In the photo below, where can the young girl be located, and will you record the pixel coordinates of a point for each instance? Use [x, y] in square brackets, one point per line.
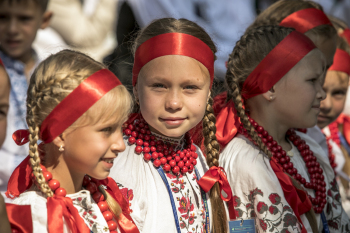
[76, 107]
[306, 17]
[278, 176]
[172, 77]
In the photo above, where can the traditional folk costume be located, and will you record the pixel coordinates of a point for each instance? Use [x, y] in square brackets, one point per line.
[86, 211]
[261, 187]
[338, 132]
[162, 175]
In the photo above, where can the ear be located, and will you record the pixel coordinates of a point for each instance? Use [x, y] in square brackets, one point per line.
[269, 95]
[58, 141]
[46, 19]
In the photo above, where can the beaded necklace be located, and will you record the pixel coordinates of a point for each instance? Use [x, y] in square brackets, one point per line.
[89, 185]
[174, 155]
[314, 169]
[331, 156]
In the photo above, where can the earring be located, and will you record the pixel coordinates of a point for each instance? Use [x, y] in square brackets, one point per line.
[271, 97]
[61, 149]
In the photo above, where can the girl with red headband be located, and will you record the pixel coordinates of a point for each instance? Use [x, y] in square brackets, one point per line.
[76, 108]
[306, 17]
[279, 177]
[172, 77]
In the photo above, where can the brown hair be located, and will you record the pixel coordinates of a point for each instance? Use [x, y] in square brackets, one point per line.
[168, 25]
[337, 23]
[41, 3]
[54, 79]
[249, 51]
[274, 14]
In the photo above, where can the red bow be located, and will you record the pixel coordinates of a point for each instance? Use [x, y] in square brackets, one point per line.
[20, 218]
[296, 198]
[213, 175]
[58, 207]
[227, 120]
[21, 136]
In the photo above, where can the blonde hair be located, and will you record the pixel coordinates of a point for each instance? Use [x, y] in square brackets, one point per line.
[54, 79]
[167, 25]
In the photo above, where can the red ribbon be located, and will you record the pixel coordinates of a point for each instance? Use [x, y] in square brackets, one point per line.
[58, 207]
[77, 103]
[20, 218]
[173, 44]
[346, 35]
[296, 198]
[213, 175]
[283, 57]
[227, 120]
[306, 19]
[1, 63]
[21, 136]
[341, 62]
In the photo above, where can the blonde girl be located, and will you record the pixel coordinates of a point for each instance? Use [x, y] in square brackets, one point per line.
[172, 77]
[76, 107]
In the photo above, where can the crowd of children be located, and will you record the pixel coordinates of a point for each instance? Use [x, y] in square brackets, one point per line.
[272, 151]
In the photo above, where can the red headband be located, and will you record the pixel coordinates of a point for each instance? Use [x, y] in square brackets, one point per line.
[346, 35]
[173, 44]
[77, 103]
[305, 19]
[341, 62]
[276, 64]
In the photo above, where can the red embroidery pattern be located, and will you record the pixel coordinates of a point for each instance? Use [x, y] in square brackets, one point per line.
[334, 203]
[271, 216]
[128, 194]
[185, 205]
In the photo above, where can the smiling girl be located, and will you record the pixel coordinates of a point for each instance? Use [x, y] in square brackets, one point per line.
[279, 177]
[76, 107]
[172, 77]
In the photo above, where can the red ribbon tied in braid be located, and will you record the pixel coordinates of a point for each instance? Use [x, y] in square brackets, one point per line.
[346, 35]
[173, 44]
[62, 116]
[276, 64]
[306, 19]
[213, 175]
[341, 62]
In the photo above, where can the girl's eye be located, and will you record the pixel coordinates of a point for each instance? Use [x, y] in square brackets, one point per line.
[191, 87]
[339, 94]
[158, 85]
[313, 80]
[107, 129]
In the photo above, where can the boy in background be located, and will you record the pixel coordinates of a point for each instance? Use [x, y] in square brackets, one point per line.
[19, 23]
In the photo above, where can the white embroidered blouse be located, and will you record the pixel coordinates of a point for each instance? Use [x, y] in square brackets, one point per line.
[258, 194]
[82, 201]
[149, 198]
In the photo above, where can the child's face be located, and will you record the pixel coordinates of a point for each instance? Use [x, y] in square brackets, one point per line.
[19, 23]
[91, 149]
[4, 103]
[336, 86]
[299, 92]
[327, 46]
[173, 91]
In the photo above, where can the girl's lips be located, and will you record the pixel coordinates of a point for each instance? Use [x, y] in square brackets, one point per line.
[173, 121]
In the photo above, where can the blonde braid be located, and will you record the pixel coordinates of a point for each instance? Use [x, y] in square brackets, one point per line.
[212, 151]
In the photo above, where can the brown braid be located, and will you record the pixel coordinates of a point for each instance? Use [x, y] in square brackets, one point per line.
[212, 152]
[253, 46]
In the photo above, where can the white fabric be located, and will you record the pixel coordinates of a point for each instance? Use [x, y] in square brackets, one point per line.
[257, 192]
[316, 134]
[150, 204]
[82, 201]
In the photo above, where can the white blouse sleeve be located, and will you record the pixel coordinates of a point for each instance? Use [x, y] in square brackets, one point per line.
[256, 190]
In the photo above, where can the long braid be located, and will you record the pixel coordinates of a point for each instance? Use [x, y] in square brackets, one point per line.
[241, 63]
[212, 152]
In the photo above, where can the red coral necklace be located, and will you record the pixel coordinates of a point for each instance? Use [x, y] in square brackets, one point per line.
[89, 185]
[314, 169]
[171, 154]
